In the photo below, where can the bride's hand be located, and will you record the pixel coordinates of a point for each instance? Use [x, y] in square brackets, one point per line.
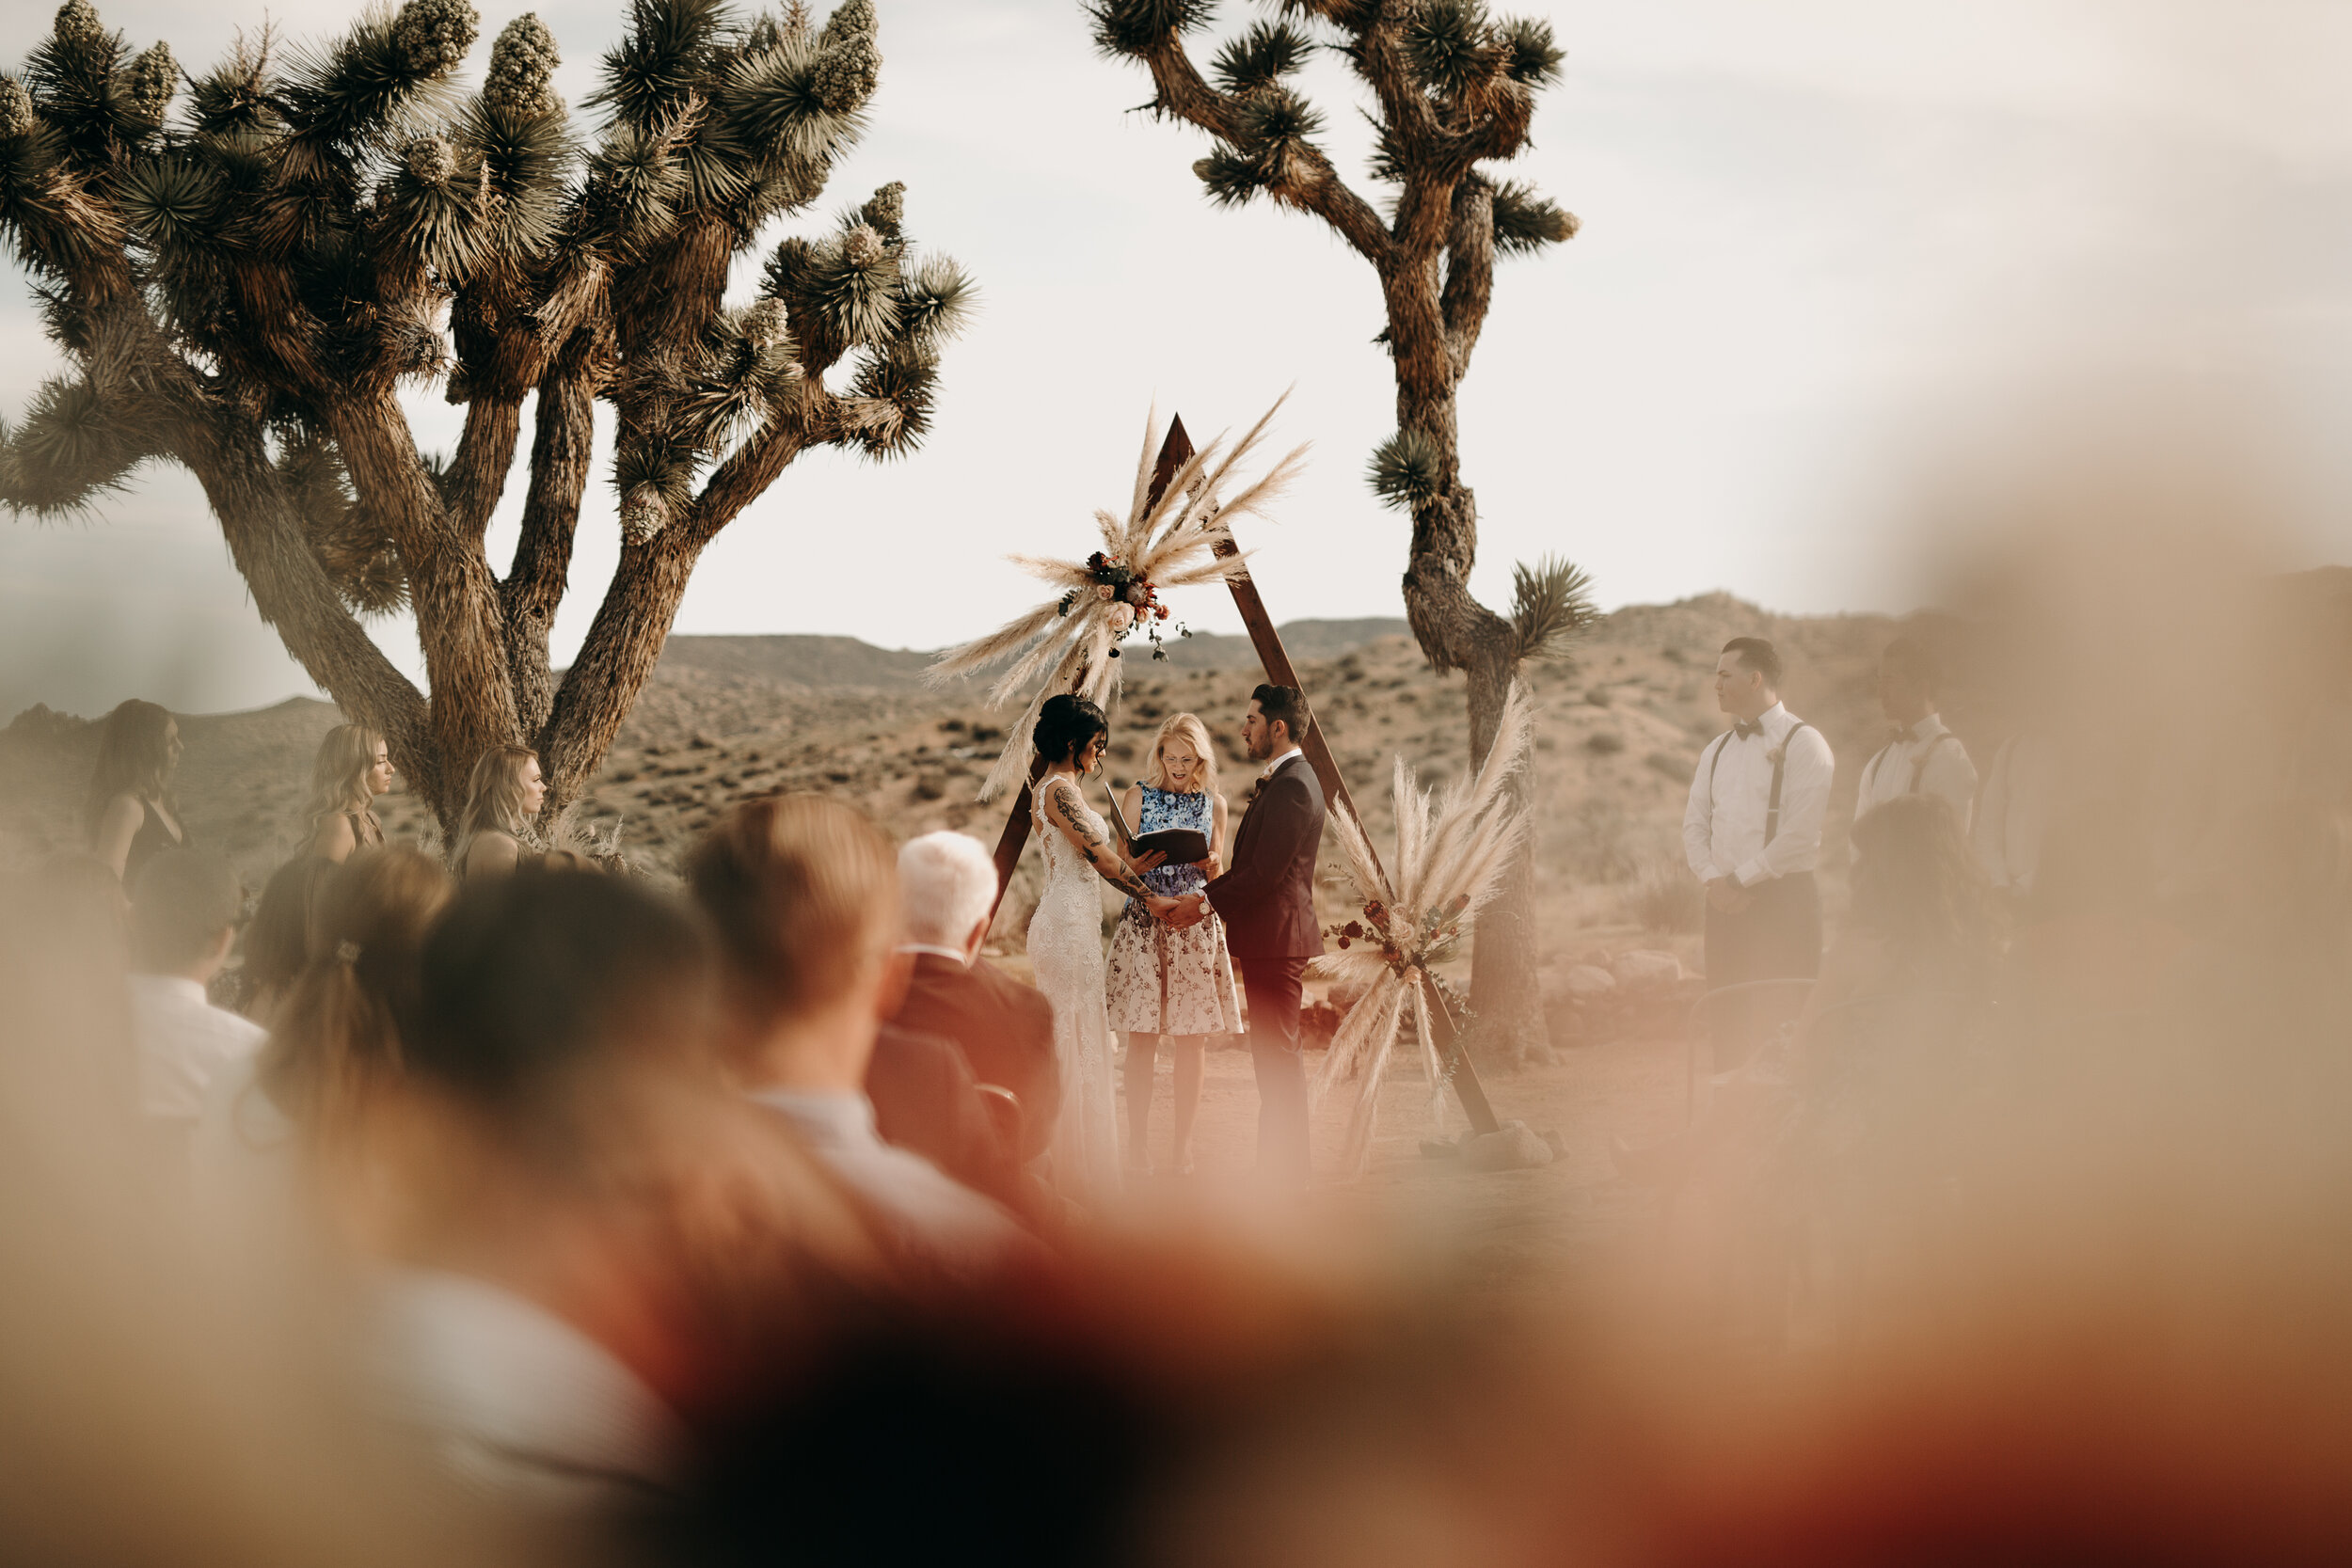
[1162, 909]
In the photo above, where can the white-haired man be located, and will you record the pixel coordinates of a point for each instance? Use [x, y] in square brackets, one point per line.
[947, 891]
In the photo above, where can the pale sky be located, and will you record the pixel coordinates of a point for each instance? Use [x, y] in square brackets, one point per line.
[1817, 232]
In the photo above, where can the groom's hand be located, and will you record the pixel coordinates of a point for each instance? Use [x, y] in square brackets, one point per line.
[1187, 912]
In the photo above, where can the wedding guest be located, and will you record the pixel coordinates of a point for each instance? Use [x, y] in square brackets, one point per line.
[496, 832]
[278, 939]
[804, 893]
[129, 812]
[183, 921]
[947, 891]
[352, 768]
[1165, 982]
[336, 1032]
[582, 1230]
[1922, 755]
[1751, 832]
[1267, 903]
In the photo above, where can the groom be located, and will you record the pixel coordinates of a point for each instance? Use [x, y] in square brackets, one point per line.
[1267, 903]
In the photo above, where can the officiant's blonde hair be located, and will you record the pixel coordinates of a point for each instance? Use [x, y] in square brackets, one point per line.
[1188, 728]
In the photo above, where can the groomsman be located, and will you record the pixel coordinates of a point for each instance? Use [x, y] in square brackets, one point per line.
[1923, 756]
[1753, 832]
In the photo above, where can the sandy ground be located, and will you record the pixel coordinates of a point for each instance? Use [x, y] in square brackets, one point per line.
[1527, 1234]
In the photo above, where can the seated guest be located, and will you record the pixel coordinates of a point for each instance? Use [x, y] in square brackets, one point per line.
[183, 921]
[804, 894]
[947, 891]
[926, 1101]
[353, 768]
[278, 941]
[337, 1030]
[568, 1204]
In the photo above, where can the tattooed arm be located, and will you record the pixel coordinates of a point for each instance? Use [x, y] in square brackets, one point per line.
[1070, 818]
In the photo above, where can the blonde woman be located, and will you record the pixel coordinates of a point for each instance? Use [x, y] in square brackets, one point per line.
[502, 802]
[1165, 982]
[353, 768]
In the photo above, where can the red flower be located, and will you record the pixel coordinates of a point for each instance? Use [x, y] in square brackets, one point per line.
[1354, 928]
[1344, 942]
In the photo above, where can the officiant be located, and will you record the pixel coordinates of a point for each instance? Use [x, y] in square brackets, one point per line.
[1165, 983]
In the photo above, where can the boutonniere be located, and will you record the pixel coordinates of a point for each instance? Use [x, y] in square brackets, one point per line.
[1777, 753]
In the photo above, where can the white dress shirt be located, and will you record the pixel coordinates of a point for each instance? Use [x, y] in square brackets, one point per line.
[515, 1406]
[931, 1218]
[1294, 751]
[1932, 753]
[182, 1041]
[2020, 792]
[1723, 827]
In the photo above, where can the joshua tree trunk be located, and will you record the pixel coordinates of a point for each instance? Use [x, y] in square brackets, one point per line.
[1452, 89]
[243, 287]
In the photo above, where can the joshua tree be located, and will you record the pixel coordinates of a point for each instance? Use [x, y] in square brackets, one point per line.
[1452, 89]
[242, 286]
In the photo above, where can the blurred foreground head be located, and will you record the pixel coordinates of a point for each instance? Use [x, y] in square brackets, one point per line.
[803, 892]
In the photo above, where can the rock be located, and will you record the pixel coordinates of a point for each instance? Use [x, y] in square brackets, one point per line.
[1646, 972]
[1511, 1146]
[1587, 984]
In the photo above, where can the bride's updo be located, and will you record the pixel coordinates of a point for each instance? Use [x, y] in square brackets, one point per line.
[1064, 726]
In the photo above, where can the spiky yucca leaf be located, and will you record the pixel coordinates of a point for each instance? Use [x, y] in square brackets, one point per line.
[1525, 222]
[1533, 52]
[1407, 469]
[1450, 45]
[664, 56]
[1138, 26]
[1552, 606]
[897, 385]
[935, 302]
[1262, 56]
[1231, 178]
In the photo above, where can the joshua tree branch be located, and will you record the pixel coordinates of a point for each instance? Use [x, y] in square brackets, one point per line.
[1310, 182]
[1470, 270]
[485, 455]
[563, 449]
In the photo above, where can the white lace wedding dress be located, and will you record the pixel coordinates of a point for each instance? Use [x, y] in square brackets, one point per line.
[1066, 953]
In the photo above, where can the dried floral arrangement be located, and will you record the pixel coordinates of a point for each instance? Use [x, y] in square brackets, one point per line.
[1073, 640]
[1451, 850]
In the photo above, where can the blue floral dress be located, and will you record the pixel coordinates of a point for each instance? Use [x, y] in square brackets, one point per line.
[1160, 980]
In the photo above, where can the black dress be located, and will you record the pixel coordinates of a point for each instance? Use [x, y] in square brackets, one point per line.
[155, 835]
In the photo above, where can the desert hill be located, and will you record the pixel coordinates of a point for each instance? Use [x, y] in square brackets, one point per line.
[727, 717]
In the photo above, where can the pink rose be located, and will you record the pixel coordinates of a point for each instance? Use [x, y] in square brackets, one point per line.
[1122, 617]
[1105, 592]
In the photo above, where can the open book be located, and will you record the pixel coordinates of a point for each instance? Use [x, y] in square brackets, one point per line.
[1180, 845]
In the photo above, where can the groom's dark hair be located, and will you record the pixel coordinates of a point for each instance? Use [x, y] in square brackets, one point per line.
[1285, 705]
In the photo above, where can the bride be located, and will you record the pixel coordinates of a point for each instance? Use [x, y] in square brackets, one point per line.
[1066, 942]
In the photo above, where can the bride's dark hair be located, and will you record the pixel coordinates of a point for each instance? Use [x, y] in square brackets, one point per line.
[1064, 726]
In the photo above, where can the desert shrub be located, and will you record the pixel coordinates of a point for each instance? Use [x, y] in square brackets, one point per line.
[1664, 897]
[1604, 743]
[1601, 847]
[930, 786]
[1676, 767]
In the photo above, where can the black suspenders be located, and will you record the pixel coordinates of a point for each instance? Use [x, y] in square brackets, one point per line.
[1780, 767]
[1918, 763]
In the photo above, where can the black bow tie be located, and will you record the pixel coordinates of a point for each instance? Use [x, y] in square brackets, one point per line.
[1747, 727]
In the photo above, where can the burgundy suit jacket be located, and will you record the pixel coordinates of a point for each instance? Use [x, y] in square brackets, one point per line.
[1004, 1028]
[1268, 900]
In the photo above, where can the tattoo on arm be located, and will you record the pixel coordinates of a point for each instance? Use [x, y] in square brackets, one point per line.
[1096, 848]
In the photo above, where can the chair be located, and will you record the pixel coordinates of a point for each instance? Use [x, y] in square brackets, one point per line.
[1772, 1004]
